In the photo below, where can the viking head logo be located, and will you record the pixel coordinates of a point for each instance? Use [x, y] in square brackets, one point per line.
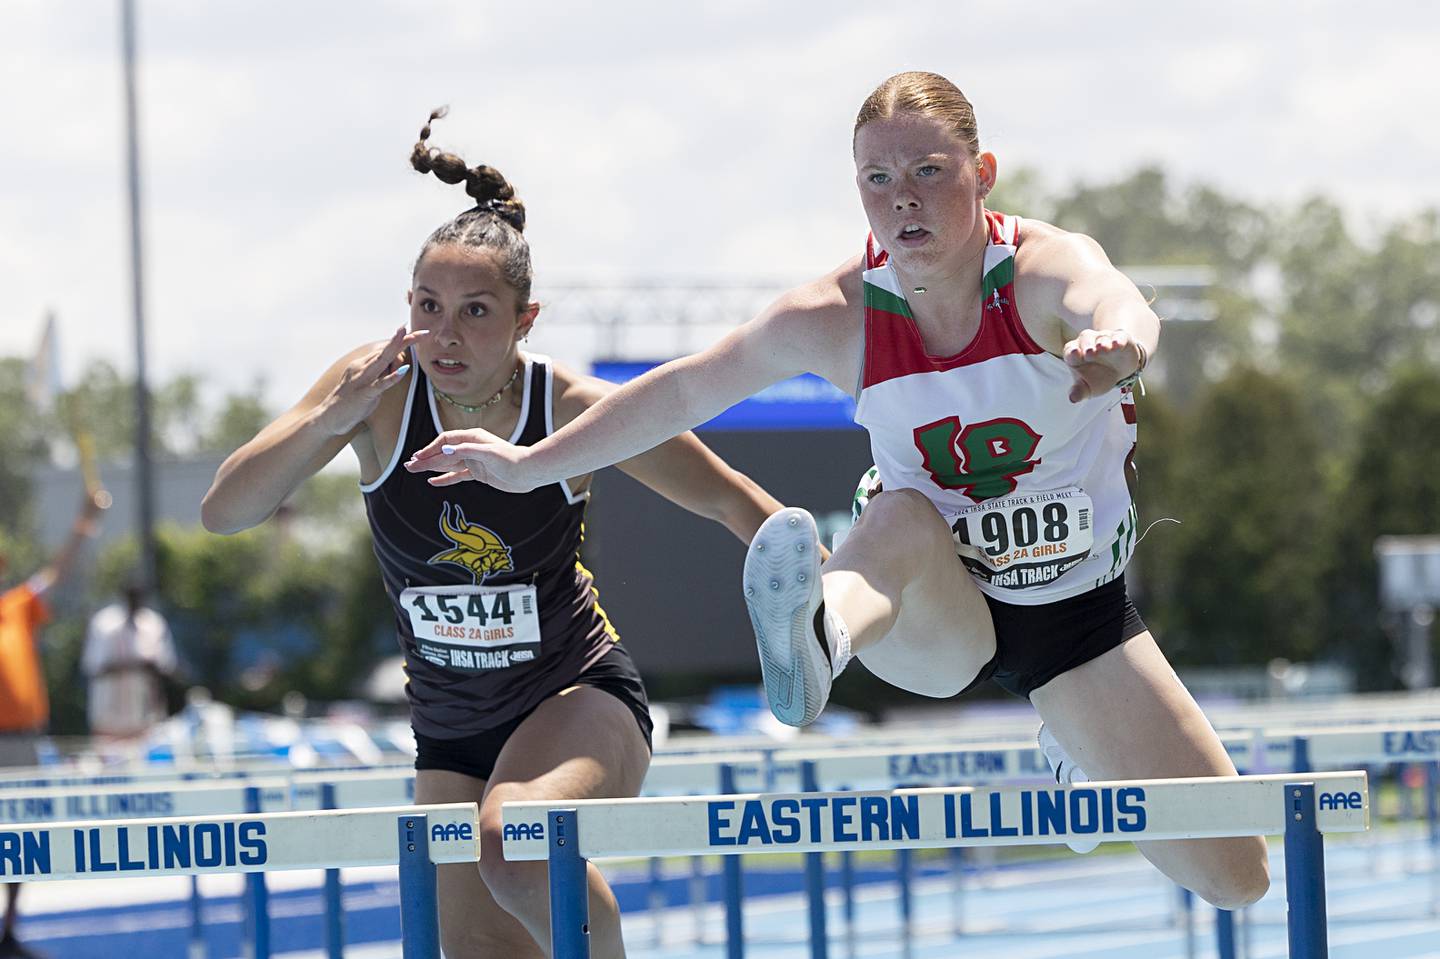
[476, 548]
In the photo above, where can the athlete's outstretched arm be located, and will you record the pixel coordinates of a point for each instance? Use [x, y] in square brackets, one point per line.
[650, 409]
[682, 469]
[255, 479]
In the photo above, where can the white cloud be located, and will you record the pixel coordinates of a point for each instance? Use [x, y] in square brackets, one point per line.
[645, 138]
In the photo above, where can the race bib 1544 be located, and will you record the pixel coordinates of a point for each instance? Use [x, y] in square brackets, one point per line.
[474, 629]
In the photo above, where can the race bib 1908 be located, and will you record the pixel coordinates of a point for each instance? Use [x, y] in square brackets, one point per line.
[1027, 539]
[474, 629]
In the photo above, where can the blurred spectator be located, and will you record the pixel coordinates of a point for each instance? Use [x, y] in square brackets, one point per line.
[129, 657]
[24, 703]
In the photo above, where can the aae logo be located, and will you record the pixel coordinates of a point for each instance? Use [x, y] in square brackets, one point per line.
[1350, 800]
[524, 830]
[451, 831]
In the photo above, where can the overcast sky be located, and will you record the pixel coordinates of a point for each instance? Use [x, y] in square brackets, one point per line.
[648, 140]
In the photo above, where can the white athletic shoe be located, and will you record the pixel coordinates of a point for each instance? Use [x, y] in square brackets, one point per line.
[1066, 772]
[801, 652]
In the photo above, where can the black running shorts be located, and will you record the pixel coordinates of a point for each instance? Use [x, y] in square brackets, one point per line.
[1034, 644]
[475, 756]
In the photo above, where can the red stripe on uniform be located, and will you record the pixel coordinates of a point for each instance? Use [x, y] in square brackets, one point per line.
[894, 348]
[996, 222]
[1009, 312]
[874, 256]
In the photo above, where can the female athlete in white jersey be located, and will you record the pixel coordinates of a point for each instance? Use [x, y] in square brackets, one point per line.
[991, 359]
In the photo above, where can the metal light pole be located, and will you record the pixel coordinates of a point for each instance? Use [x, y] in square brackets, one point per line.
[144, 484]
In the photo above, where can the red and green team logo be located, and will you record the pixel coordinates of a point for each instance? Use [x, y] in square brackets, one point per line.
[982, 459]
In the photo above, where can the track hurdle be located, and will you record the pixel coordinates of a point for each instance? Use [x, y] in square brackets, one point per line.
[1374, 744]
[937, 761]
[61, 777]
[229, 793]
[415, 837]
[1303, 810]
[148, 799]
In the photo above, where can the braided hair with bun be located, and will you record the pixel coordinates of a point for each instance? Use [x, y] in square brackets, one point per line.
[495, 222]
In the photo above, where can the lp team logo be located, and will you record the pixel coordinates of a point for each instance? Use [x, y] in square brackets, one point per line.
[1350, 800]
[451, 832]
[476, 548]
[524, 830]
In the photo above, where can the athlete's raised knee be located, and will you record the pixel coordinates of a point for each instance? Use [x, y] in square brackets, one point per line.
[906, 514]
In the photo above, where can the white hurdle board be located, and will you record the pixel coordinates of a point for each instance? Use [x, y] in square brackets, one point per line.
[353, 790]
[221, 844]
[141, 800]
[931, 764]
[937, 763]
[925, 818]
[699, 774]
[1356, 745]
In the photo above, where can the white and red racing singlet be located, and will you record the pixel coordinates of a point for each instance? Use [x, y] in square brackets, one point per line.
[1033, 486]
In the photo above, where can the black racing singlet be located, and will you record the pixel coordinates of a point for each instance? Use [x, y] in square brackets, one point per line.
[494, 611]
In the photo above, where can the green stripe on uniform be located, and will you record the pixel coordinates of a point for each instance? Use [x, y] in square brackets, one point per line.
[1001, 275]
[1124, 546]
[879, 298]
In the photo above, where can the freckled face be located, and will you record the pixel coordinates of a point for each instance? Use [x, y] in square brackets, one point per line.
[921, 188]
[474, 317]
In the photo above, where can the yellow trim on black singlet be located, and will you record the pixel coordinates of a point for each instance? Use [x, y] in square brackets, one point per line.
[595, 591]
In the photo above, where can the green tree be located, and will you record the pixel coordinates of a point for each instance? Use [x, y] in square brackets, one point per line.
[1159, 460]
[1141, 218]
[1349, 314]
[1021, 192]
[1248, 557]
[22, 447]
[240, 417]
[102, 401]
[263, 612]
[1392, 489]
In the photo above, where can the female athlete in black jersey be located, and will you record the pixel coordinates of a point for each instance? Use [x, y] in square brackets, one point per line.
[518, 686]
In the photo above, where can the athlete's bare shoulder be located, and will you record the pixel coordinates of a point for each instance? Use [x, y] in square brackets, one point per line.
[823, 320]
[575, 392]
[826, 298]
[1046, 250]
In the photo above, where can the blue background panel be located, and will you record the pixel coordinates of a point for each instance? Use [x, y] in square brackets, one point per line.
[804, 402]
